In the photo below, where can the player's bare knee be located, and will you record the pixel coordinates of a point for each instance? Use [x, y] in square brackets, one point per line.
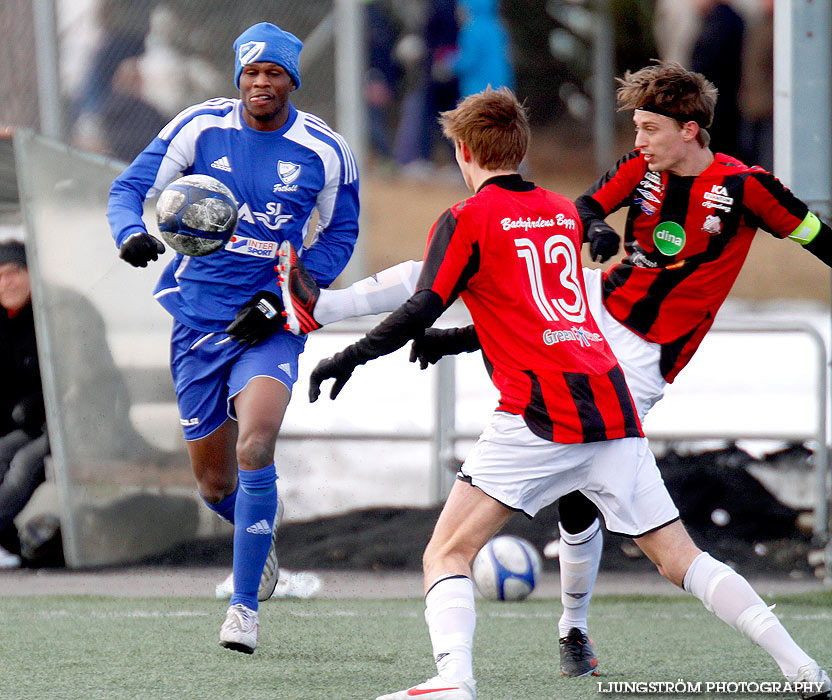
[673, 564]
[428, 558]
[255, 450]
[447, 555]
[435, 553]
[670, 574]
[214, 487]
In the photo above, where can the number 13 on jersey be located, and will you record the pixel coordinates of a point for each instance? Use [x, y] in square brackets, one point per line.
[561, 279]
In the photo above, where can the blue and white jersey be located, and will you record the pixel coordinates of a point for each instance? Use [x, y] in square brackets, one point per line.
[278, 179]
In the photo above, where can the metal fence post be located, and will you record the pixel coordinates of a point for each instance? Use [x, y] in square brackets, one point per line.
[444, 434]
[351, 108]
[46, 60]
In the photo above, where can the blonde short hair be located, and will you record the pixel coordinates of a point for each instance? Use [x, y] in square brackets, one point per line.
[494, 126]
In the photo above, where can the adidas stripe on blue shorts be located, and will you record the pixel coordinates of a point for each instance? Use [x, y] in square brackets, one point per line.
[210, 369]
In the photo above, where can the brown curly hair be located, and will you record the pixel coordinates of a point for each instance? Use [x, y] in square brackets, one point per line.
[665, 87]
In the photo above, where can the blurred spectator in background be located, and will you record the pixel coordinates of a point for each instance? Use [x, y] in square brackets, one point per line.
[96, 399]
[757, 88]
[124, 26]
[429, 39]
[676, 25]
[174, 73]
[441, 36]
[23, 442]
[484, 48]
[717, 54]
[382, 79]
[128, 121]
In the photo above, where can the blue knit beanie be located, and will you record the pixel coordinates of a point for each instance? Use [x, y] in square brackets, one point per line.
[264, 42]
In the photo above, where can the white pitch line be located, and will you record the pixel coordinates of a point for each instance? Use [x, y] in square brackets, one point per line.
[323, 614]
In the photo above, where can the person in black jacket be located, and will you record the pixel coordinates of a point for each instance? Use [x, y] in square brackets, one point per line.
[23, 440]
[717, 54]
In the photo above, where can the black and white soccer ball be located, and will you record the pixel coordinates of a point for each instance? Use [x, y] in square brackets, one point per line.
[196, 215]
[507, 568]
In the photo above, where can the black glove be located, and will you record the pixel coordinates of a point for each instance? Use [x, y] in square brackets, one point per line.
[258, 318]
[338, 367]
[29, 414]
[438, 342]
[603, 240]
[404, 324]
[140, 248]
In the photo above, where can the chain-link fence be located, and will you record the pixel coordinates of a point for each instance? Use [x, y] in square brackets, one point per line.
[18, 101]
[124, 68]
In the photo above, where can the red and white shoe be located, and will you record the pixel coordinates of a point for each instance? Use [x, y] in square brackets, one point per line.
[437, 688]
[298, 290]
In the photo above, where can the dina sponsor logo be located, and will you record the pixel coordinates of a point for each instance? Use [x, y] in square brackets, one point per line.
[669, 238]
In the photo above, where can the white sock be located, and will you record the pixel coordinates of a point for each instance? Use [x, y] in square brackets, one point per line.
[451, 618]
[732, 599]
[579, 556]
[381, 293]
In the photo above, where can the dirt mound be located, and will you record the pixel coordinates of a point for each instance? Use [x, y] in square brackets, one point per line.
[754, 531]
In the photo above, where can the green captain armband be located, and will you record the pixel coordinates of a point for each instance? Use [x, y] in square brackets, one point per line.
[808, 229]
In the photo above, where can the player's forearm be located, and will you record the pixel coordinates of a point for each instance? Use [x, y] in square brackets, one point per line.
[589, 210]
[466, 339]
[128, 192]
[821, 245]
[327, 258]
[400, 327]
[124, 211]
[330, 252]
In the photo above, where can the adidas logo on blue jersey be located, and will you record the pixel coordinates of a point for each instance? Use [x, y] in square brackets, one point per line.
[222, 164]
[261, 527]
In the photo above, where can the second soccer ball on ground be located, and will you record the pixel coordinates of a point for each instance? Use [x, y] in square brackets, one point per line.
[507, 568]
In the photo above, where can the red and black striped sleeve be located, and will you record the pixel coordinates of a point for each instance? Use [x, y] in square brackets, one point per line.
[452, 257]
[782, 214]
[612, 190]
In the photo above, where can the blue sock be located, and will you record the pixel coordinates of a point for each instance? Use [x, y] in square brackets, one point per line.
[253, 518]
[225, 508]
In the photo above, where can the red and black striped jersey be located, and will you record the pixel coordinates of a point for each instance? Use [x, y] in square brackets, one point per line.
[512, 253]
[686, 239]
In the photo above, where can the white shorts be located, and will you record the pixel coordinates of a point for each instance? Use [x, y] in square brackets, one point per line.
[526, 473]
[639, 358]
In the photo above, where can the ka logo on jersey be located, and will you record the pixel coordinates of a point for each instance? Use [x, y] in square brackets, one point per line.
[669, 238]
[287, 172]
[249, 51]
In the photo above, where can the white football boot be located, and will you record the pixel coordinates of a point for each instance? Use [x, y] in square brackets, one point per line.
[437, 688]
[268, 580]
[9, 560]
[297, 584]
[239, 631]
[290, 584]
[821, 685]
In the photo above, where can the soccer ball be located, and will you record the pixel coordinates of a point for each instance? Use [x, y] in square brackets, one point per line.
[196, 215]
[507, 568]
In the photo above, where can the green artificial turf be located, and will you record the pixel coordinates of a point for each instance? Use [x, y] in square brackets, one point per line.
[93, 648]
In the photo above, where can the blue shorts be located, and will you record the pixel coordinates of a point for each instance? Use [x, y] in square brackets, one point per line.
[210, 369]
